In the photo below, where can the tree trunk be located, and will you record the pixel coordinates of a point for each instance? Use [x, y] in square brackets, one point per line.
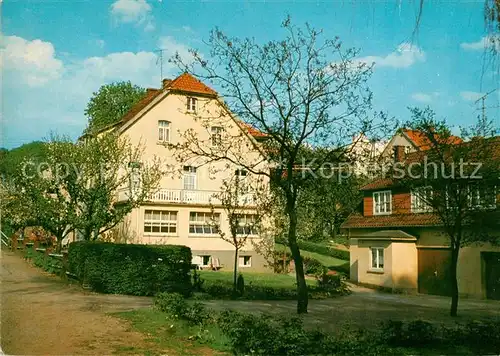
[454, 282]
[302, 296]
[235, 270]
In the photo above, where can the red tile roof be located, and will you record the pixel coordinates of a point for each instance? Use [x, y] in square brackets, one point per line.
[151, 94]
[252, 130]
[357, 220]
[422, 142]
[187, 83]
[378, 184]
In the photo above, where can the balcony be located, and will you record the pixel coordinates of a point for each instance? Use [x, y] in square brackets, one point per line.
[181, 196]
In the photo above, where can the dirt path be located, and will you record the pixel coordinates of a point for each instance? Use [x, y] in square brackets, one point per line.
[43, 315]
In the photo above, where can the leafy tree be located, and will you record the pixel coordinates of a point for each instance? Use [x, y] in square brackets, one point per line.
[110, 103]
[298, 91]
[444, 177]
[10, 161]
[104, 168]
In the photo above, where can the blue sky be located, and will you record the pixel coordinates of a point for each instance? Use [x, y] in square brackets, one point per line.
[57, 53]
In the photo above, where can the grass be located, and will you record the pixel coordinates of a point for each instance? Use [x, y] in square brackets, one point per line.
[258, 279]
[326, 261]
[175, 336]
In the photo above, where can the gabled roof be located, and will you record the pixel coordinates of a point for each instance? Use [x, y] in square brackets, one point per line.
[421, 141]
[151, 94]
[378, 184]
[189, 84]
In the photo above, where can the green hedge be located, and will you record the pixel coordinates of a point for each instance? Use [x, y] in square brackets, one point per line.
[318, 248]
[131, 269]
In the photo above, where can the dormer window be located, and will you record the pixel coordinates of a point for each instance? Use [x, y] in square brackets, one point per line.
[420, 200]
[191, 104]
[163, 131]
[382, 203]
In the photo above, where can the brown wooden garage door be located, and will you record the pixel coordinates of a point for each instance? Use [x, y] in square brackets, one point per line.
[434, 271]
[492, 274]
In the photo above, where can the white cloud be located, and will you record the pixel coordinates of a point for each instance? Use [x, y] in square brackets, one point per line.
[132, 11]
[34, 62]
[63, 88]
[424, 97]
[484, 43]
[470, 95]
[403, 57]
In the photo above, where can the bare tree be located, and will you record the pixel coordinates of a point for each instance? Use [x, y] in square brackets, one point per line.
[238, 203]
[299, 91]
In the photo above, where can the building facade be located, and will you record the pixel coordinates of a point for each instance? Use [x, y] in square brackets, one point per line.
[183, 208]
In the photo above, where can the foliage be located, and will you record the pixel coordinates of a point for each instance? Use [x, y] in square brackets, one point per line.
[48, 263]
[171, 303]
[108, 105]
[197, 281]
[131, 269]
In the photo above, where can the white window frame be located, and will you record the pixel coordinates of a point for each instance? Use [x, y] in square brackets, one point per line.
[189, 178]
[164, 131]
[241, 261]
[204, 221]
[216, 135]
[376, 205]
[480, 196]
[419, 205]
[377, 267]
[208, 260]
[169, 223]
[191, 104]
[247, 221]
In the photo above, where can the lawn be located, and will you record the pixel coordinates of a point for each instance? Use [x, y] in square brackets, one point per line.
[326, 261]
[257, 279]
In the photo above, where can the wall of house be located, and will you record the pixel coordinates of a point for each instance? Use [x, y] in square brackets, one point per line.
[200, 244]
[360, 269]
[404, 266]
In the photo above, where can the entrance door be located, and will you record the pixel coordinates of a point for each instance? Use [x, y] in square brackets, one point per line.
[492, 274]
[434, 271]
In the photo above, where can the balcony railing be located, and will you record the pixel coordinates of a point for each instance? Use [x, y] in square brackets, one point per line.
[181, 196]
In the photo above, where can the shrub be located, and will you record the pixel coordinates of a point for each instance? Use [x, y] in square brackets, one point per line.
[131, 269]
[240, 285]
[173, 304]
[197, 281]
[312, 266]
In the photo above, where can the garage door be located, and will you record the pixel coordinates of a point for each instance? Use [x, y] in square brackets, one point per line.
[492, 274]
[434, 271]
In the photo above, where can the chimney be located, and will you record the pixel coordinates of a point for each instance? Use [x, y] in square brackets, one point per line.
[166, 82]
[399, 153]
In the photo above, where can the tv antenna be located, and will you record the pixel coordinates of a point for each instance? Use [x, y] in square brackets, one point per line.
[483, 109]
[160, 60]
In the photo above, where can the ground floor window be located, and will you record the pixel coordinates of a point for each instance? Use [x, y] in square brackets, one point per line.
[160, 221]
[245, 261]
[205, 260]
[377, 258]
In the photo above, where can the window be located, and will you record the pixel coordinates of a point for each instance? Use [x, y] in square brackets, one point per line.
[203, 223]
[205, 260]
[420, 198]
[191, 104]
[241, 173]
[247, 225]
[217, 135]
[189, 178]
[163, 131]
[160, 221]
[382, 202]
[377, 257]
[407, 149]
[481, 197]
[245, 261]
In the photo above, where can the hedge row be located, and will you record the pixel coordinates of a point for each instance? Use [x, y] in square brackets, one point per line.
[131, 269]
[319, 248]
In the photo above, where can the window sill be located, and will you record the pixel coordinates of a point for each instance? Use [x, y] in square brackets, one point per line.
[374, 271]
[203, 235]
[376, 214]
[159, 234]
[163, 143]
